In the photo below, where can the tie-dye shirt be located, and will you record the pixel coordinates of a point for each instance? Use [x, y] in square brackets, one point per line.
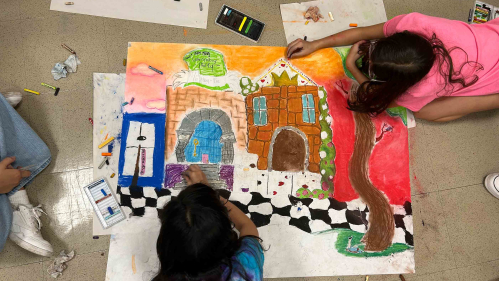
[247, 263]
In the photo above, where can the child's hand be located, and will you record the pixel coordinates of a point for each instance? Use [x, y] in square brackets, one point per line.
[353, 55]
[10, 177]
[194, 175]
[300, 48]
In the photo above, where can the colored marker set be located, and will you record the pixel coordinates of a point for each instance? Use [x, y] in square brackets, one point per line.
[240, 23]
[104, 203]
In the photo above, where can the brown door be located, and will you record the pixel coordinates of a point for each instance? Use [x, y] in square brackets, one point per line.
[288, 152]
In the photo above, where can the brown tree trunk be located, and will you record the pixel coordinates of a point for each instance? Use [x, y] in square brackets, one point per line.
[381, 227]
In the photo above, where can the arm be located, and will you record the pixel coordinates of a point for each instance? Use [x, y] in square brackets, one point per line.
[301, 48]
[242, 223]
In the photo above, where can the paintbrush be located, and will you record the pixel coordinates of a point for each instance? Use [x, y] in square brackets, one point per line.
[56, 89]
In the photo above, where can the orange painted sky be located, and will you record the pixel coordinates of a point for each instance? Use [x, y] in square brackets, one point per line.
[250, 61]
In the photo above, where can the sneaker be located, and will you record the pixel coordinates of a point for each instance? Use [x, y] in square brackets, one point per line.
[25, 230]
[492, 184]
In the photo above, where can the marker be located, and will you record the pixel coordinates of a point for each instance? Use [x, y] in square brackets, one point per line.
[112, 175]
[242, 24]
[131, 101]
[305, 38]
[470, 16]
[69, 49]
[106, 142]
[106, 154]
[331, 16]
[353, 25]
[307, 22]
[102, 163]
[248, 27]
[103, 192]
[56, 89]
[30, 91]
[157, 70]
[124, 62]
[401, 277]
[69, 3]
[91, 121]
[110, 210]
[125, 103]
[200, 6]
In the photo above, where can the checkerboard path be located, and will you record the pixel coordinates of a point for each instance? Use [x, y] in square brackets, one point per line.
[309, 215]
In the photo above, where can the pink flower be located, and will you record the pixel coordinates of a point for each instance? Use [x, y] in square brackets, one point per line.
[305, 192]
[325, 187]
[315, 191]
[331, 195]
[321, 196]
[330, 144]
[297, 194]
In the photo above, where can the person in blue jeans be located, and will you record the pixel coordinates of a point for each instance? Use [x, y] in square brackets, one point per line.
[197, 241]
[20, 147]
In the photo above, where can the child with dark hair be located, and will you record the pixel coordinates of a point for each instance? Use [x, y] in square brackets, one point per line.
[441, 69]
[197, 240]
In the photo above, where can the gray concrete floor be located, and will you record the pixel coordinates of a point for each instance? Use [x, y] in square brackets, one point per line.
[458, 241]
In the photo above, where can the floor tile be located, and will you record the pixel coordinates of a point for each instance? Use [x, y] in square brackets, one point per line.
[55, 192]
[62, 123]
[433, 248]
[42, 48]
[83, 241]
[36, 9]
[13, 255]
[433, 8]
[58, 231]
[29, 272]
[120, 32]
[11, 10]
[422, 178]
[448, 275]
[463, 152]
[11, 56]
[472, 223]
[86, 267]
[487, 271]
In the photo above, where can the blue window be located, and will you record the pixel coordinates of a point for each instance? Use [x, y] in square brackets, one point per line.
[308, 108]
[260, 111]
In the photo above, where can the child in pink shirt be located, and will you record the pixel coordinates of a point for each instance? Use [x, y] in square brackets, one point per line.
[441, 69]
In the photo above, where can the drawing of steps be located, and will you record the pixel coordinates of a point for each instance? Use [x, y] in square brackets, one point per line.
[212, 172]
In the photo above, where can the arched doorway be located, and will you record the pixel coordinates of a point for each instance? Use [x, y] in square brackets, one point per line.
[204, 145]
[189, 125]
[289, 150]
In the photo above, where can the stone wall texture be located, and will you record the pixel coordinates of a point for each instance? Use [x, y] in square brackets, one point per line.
[181, 101]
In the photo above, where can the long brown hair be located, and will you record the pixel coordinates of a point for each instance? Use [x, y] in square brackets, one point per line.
[399, 62]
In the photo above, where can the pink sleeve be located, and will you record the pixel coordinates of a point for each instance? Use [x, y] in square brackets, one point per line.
[413, 102]
[390, 27]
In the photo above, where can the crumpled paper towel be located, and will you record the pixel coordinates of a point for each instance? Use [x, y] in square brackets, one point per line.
[57, 267]
[61, 70]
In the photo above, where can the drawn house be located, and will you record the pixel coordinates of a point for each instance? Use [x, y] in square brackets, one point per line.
[283, 121]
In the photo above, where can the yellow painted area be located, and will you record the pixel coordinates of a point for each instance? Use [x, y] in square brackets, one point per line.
[252, 61]
[242, 24]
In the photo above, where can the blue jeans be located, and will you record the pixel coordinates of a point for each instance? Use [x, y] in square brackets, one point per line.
[19, 140]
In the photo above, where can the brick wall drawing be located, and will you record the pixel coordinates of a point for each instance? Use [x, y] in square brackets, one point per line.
[183, 101]
[285, 109]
